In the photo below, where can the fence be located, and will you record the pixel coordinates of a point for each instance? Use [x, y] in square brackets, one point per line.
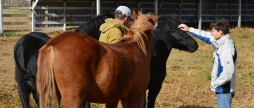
[61, 15]
[9, 24]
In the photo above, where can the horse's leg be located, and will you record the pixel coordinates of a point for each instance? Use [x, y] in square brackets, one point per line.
[111, 105]
[23, 88]
[86, 104]
[73, 94]
[72, 102]
[144, 101]
[157, 76]
[134, 102]
[153, 93]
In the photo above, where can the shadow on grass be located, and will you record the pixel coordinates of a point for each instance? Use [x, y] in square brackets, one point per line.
[193, 106]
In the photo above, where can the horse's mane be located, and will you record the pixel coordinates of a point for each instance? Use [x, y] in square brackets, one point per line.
[137, 30]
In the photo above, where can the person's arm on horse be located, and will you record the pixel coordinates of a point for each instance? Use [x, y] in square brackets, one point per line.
[200, 34]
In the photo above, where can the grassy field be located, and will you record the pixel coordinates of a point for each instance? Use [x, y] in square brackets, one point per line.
[186, 84]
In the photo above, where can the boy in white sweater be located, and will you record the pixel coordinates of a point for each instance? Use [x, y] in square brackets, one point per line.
[223, 79]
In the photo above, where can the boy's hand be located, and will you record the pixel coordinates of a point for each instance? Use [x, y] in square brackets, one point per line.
[184, 27]
[214, 85]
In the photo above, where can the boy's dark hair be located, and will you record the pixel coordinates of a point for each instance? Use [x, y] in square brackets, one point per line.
[221, 24]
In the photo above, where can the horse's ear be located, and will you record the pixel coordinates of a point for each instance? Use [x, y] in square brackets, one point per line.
[134, 14]
[155, 19]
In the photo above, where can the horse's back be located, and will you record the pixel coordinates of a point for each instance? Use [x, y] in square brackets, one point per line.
[74, 47]
[26, 50]
[33, 41]
[33, 37]
[72, 40]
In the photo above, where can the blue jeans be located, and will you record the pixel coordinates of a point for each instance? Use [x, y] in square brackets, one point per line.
[224, 100]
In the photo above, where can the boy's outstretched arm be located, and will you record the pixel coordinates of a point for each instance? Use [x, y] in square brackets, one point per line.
[200, 34]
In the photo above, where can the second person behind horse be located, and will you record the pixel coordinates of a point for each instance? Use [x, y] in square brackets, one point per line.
[114, 29]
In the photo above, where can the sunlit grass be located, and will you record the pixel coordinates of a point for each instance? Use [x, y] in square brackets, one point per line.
[17, 11]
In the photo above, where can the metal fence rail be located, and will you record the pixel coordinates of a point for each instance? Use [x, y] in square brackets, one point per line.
[56, 15]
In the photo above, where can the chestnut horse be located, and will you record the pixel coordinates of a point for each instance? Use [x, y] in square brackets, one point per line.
[77, 67]
[26, 53]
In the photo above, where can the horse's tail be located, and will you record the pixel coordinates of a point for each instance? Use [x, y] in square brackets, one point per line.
[23, 88]
[45, 81]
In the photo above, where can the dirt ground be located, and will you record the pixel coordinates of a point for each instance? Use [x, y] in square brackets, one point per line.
[186, 84]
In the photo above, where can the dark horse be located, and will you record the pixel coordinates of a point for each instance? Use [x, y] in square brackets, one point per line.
[167, 36]
[25, 55]
[86, 69]
[26, 52]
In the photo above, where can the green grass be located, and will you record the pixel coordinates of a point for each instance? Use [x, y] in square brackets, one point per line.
[245, 36]
[206, 74]
[250, 75]
[252, 43]
[10, 34]
[17, 11]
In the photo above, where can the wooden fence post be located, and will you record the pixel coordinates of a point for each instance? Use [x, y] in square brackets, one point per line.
[33, 14]
[200, 15]
[98, 7]
[1, 17]
[239, 14]
[156, 7]
[64, 21]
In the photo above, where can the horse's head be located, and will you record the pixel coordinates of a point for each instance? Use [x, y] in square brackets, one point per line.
[92, 27]
[173, 36]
